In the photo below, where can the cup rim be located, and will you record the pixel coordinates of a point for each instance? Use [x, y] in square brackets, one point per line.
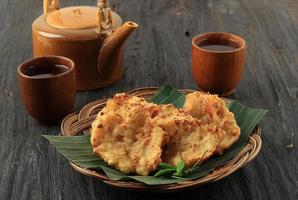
[237, 37]
[48, 57]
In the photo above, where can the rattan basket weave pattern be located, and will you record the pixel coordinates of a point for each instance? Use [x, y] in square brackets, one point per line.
[79, 122]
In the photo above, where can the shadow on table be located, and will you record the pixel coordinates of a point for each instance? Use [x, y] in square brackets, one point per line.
[222, 189]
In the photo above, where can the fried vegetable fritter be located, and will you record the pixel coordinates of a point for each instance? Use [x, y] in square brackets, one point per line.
[210, 109]
[193, 142]
[125, 136]
[190, 140]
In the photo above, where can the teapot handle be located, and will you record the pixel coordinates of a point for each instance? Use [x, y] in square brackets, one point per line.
[50, 6]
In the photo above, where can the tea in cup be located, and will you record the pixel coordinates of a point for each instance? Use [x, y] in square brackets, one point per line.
[218, 61]
[48, 87]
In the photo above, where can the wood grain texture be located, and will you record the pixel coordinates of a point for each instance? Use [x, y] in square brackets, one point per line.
[160, 52]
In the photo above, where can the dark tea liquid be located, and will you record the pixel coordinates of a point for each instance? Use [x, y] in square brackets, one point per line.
[45, 71]
[217, 47]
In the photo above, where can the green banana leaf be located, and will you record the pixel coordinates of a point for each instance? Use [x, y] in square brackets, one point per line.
[78, 150]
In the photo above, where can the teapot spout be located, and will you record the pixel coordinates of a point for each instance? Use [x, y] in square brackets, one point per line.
[110, 55]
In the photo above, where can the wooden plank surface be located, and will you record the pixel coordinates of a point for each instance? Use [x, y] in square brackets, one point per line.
[160, 52]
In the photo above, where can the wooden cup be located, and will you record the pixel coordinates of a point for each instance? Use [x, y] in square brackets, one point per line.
[48, 99]
[218, 72]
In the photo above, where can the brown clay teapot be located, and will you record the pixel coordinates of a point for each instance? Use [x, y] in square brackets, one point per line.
[91, 36]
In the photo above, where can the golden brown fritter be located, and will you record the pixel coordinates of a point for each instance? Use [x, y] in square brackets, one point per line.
[192, 142]
[210, 109]
[168, 116]
[189, 139]
[125, 136]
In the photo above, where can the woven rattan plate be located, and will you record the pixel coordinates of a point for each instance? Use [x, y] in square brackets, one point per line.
[79, 122]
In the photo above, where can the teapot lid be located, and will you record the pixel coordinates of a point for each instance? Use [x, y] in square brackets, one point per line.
[76, 17]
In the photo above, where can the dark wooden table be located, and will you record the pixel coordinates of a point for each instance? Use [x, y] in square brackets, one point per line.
[159, 52]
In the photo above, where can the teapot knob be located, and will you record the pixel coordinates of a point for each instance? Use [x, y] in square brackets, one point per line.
[104, 18]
